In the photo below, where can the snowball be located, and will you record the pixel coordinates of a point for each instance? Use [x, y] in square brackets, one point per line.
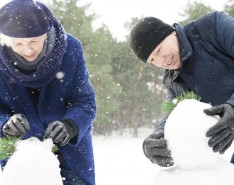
[195, 162]
[185, 131]
[33, 163]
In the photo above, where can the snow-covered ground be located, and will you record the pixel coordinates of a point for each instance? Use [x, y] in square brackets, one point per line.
[120, 160]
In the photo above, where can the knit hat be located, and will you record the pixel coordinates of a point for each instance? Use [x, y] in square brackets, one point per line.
[146, 35]
[25, 18]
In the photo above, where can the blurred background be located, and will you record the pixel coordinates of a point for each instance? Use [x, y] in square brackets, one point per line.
[129, 93]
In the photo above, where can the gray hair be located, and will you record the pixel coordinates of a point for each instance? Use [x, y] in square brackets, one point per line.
[5, 40]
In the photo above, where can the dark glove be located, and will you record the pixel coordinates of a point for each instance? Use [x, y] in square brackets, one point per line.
[17, 125]
[61, 132]
[222, 133]
[155, 149]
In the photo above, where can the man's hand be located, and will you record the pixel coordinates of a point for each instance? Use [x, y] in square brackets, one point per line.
[17, 125]
[222, 133]
[60, 132]
[155, 149]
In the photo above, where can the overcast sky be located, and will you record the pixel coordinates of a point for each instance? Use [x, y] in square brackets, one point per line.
[114, 13]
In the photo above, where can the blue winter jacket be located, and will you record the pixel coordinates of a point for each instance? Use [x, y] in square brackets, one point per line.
[206, 48]
[70, 97]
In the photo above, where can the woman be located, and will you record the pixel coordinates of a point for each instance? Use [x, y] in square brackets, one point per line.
[45, 89]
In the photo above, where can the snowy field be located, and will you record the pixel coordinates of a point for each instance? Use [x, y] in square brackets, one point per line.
[120, 160]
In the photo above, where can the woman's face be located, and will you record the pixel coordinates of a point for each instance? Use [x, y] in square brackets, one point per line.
[28, 48]
[166, 54]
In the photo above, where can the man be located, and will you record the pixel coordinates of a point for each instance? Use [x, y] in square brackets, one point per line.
[197, 57]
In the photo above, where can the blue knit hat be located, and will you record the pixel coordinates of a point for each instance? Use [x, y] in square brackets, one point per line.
[25, 18]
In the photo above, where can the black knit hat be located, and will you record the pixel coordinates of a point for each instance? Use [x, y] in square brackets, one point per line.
[146, 35]
[25, 18]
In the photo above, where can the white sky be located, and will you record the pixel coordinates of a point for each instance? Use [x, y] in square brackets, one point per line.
[114, 13]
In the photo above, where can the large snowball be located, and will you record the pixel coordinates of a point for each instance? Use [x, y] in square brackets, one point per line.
[185, 131]
[33, 163]
[195, 162]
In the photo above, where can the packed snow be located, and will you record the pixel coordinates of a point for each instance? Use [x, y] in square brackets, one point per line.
[31, 161]
[120, 159]
[195, 162]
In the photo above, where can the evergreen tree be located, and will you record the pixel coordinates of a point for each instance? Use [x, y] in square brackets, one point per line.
[97, 46]
[194, 10]
[229, 8]
[141, 88]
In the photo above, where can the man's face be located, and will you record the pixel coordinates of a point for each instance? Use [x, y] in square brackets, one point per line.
[166, 54]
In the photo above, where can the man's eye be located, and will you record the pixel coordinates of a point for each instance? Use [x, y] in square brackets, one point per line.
[151, 60]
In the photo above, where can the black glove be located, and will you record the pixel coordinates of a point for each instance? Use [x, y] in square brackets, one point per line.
[17, 125]
[61, 132]
[222, 133]
[155, 149]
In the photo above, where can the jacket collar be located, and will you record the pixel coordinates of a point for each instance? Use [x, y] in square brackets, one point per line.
[185, 47]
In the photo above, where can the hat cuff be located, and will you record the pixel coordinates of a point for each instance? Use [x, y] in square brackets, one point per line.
[153, 41]
[25, 33]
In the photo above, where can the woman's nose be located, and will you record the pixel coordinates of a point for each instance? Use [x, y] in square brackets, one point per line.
[28, 49]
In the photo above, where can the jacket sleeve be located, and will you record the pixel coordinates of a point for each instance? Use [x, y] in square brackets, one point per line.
[224, 29]
[82, 105]
[4, 116]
